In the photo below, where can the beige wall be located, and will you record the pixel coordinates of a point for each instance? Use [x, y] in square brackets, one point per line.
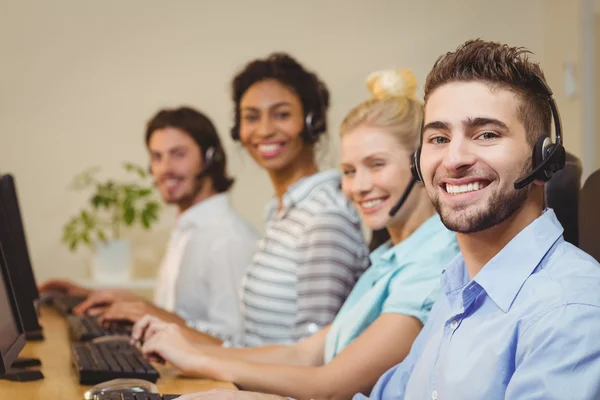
[79, 79]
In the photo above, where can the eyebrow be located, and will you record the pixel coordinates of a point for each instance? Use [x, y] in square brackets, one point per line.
[484, 121]
[276, 105]
[468, 123]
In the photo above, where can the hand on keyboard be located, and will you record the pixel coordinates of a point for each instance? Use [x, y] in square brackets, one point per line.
[168, 342]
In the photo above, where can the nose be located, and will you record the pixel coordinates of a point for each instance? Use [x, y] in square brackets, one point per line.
[362, 182]
[161, 167]
[266, 127]
[459, 155]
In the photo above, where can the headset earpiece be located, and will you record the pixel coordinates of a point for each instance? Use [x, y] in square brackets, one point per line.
[312, 128]
[548, 157]
[415, 165]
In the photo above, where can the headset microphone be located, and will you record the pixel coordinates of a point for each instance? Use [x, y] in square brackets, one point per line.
[400, 202]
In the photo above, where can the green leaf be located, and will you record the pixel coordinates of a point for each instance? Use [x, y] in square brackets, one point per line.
[128, 214]
[131, 167]
[102, 236]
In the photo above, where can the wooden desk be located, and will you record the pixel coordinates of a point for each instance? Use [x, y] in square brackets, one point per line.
[60, 379]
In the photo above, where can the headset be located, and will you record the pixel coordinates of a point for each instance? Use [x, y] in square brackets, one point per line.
[313, 127]
[548, 157]
[211, 155]
[310, 133]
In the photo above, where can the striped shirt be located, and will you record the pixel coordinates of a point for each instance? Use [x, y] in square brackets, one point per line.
[312, 254]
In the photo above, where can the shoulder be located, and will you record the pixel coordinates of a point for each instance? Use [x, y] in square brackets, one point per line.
[568, 282]
[327, 198]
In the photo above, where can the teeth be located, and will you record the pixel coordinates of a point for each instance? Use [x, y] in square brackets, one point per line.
[268, 147]
[371, 203]
[460, 189]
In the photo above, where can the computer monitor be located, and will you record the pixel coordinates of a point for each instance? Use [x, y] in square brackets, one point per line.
[12, 333]
[12, 234]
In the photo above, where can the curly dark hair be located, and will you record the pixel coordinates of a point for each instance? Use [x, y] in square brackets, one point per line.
[202, 130]
[503, 66]
[311, 90]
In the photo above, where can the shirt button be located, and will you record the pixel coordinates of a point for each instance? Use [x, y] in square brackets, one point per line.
[454, 324]
[434, 395]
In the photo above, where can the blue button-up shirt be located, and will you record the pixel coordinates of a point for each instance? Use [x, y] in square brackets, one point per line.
[527, 326]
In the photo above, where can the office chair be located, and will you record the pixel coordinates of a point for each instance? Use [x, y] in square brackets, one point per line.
[562, 195]
[589, 216]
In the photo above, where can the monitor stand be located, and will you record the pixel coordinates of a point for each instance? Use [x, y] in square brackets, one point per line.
[24, 362]
[18, 373]
[34, 336]
[22, 375]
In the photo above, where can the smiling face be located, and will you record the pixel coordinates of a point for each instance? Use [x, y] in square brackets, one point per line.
[376, 171]
[474, 149]
[272, 120]
[175, 162]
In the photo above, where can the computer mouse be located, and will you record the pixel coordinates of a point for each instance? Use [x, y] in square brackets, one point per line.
[121, 386]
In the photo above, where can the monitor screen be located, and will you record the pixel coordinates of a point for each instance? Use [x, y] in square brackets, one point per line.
[12, 235]
[12, 337]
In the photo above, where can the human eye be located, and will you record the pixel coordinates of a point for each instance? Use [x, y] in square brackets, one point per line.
[250, 117]
[488, 135]
[438, 139]
[377, 164]
[282, 115]
[347, 171]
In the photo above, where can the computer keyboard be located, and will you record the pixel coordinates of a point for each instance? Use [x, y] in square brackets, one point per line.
[65, 304]
[85, 327]
[106, 360]
[135, 396]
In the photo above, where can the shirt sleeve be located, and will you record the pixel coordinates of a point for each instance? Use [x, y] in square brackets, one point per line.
[335, 255]
[414, 292]
[226, 262]
[558, 356]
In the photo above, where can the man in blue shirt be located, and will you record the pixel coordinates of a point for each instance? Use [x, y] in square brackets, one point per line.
[519, 313]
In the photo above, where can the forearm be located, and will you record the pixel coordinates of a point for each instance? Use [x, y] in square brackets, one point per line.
[299, 382]
[265, 355]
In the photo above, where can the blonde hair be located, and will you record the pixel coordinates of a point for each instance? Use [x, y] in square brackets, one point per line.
[392, 107]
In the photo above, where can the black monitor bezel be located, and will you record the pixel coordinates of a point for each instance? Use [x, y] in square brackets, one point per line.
[19, 264]
[7, 358]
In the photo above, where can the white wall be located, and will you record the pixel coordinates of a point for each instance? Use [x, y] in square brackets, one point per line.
[78, 80]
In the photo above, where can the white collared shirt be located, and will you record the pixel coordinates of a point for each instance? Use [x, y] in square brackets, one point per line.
[199, 278]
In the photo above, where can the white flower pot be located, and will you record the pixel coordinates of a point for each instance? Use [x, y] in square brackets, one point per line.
[112, 261]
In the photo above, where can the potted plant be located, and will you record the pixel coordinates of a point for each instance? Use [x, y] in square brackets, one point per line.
[112, 206]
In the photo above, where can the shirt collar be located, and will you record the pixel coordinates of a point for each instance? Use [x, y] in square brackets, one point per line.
[504, 275]
[303, 190]
[204, 212]
[407, 249]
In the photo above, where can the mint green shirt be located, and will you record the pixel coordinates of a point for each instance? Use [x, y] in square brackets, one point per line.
[404, 279]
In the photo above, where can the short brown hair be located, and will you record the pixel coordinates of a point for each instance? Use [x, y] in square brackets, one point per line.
[203, 131]
[503, 66]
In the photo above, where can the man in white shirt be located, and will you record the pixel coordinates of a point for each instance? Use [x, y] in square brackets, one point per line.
[211, 246]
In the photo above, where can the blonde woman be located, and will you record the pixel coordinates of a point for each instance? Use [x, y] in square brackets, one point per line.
[389, 305]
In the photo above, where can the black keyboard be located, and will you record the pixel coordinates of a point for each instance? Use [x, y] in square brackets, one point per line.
[107, 360]
[135, 396]
[65, 304]
[85, 327]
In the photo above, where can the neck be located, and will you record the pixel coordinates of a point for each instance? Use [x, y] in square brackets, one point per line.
[480, 247]
[404, 227]
[206, 191]
[303, 166]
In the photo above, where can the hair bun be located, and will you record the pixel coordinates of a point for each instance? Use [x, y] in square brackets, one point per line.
[392, 83]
